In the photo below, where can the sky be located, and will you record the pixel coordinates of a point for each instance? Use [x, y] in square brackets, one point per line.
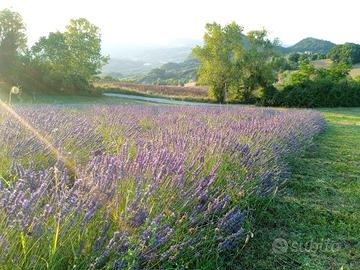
[170, 22]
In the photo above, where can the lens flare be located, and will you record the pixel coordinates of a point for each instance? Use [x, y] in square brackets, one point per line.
[42, 138]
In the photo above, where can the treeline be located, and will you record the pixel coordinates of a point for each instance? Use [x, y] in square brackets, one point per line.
[60, 63]
[310, 87]
[235, 73]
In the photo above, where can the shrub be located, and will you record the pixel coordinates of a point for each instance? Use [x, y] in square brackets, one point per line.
[319, 93]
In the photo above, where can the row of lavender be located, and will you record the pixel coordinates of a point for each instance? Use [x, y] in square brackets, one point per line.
[134, 187]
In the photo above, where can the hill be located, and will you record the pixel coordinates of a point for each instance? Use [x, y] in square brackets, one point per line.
[126, 63]
[173, 65]
[183, 72]
[173, 73]
[313, 45]
[120, 68]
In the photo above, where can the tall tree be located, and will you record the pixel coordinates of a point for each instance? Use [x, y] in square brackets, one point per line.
[230, 69]
[69, 60]
[12, 41]
[53, 52]
[259, 64]
[219, 58]
[348, 53]
[84, 41]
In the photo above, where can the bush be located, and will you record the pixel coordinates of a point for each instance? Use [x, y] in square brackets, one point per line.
[266, 96]
[318, 93]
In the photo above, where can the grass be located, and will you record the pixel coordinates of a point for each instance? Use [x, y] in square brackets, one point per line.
[317, 214]
[355, 72]
[322, 63]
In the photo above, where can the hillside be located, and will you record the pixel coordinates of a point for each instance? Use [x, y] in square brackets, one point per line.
[174, 65]
[120, 68]
[134, 62]
[173, 73]
[311, 45]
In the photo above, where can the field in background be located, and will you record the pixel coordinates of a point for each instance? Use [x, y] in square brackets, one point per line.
[322, 63]
[325, 63]
[355, 72]
[163, 90]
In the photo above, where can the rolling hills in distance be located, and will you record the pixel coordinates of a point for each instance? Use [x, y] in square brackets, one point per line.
[144, 64]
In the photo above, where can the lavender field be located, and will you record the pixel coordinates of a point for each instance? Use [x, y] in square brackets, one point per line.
[133, 187]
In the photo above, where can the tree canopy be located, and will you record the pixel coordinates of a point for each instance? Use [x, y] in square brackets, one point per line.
[232, 70]
[76, 52]
[84, 48]
[62, 61]
[12, 41]
[220, 55]
[348, 53]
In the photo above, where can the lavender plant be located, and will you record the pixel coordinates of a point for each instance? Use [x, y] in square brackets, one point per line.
[139, 187]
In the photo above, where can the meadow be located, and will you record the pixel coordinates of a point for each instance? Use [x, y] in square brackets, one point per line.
[128, 186]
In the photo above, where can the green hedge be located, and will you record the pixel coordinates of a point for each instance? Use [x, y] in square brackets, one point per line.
[318, 93]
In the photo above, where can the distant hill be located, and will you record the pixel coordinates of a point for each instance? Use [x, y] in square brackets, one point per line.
[120, 68]
[313, 45]
[173, 64]
[173, 73]
[183, 72]
[164, 55]
[140, 61]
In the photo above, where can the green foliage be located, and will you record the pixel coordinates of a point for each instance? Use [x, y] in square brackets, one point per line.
[59, 63]
[53, 52]
[305, 72]
[233, 71]
[12, 42]
[348, 53]
[259, 64]
[319, 93]
[84, 48]
[67, 61]
[265, 95]
[295, 58]
[311, 87]
[336, 72]
[223, 47]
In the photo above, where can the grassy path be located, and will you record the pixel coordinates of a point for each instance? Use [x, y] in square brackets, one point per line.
[315, 222]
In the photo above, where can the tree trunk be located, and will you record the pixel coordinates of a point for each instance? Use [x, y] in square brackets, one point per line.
[247, 95]
[223, 93]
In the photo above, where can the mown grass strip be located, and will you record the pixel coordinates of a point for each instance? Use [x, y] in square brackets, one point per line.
[314, 222]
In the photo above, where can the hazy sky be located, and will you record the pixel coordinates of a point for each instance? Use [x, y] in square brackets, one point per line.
[164, 21]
